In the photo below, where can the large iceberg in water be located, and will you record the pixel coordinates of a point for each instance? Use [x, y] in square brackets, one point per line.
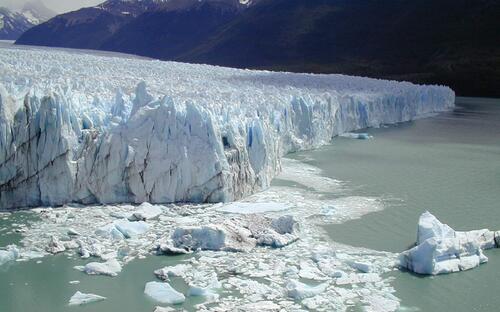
[440, 249]
[94, 129]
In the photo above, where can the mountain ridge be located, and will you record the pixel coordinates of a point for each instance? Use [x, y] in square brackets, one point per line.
[438, 42]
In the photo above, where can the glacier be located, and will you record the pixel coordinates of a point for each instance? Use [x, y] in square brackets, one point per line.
[93, 129]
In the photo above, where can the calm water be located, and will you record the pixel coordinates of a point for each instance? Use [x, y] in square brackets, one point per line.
[449, 165]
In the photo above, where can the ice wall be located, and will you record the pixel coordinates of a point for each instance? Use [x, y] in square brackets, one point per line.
[94, 129]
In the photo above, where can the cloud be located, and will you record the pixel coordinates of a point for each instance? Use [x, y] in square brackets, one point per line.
[59, 6]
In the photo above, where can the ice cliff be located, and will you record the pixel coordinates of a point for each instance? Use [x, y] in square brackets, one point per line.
[98, 129]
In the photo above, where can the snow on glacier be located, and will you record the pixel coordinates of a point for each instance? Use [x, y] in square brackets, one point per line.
[97, 129]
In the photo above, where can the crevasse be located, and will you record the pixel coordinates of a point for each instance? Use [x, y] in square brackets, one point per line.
[94, 129]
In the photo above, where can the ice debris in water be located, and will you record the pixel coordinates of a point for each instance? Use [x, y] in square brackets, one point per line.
[163, 293]
[80, 298]
[359, 136]
[440, 249]
[11, 253]
[254, 279]
[112, 130]
[241, 235]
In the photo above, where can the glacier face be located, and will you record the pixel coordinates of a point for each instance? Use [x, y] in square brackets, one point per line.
[97, 129]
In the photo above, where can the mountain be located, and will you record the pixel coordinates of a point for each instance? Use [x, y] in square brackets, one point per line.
[13, 23]
[37, 12]
[452, 42]
[139, 25]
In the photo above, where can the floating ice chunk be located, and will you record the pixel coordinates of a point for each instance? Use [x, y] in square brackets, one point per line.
[10, 254]
[172, 271]
[249, 208]
[299, 291]
[364, 267]
[358, 136]
[110, 230]
[164, 309]
[260, 306]
[227, 237]
[209, 290]
[131, 229]
[110, 268]
[163, 293]
[73, 232]
[169, 249]
[80, 298]
[440, 249]
[144, 212]
[55, 246]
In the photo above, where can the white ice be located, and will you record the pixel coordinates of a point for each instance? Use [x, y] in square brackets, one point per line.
[110, 268]
[440, 249]
[99, 130]
[163, 293]
[11, 253]
[80, 298]
[249, 208]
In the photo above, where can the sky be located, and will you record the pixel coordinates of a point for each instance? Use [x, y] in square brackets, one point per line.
[59, 6]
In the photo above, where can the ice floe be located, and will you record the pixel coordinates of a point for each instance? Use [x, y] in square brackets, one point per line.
[80, 298]
[110, 268]
[163, 293]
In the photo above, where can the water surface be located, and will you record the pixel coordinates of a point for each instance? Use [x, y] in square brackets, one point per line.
[449, 165]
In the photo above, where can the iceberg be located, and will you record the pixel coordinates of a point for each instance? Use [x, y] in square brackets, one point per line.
[80, 298]
[163, 293]
[440, 249]
[100, 130]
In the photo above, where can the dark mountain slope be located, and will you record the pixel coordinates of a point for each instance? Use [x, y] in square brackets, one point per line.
[428, 41]
[165, 34]
[452, 42]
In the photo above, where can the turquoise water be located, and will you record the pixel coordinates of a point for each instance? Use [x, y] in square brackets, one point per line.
[449, 165]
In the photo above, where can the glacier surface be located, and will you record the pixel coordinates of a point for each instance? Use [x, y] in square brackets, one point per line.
[97, 130]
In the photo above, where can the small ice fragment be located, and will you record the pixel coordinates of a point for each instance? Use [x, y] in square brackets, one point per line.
[80, 298]
[144, 212]
[299, 291]
[359, 136]
[362, 266]
[131, 229]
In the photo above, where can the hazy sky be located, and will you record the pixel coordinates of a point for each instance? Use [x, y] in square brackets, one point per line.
[56, 5]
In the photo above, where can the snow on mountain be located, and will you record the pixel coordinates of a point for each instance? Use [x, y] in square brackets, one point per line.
[94, 129]
[13, 23]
